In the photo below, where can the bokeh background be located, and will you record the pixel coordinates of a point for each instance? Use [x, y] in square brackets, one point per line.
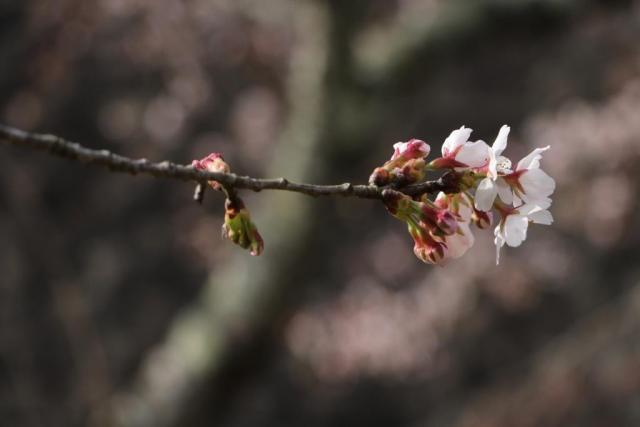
[120, 305]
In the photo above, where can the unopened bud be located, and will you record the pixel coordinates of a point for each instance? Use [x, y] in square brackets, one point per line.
[444, 223]
[396, 203]
[239, 228]
[431, 253]
[411, 172]
[412, 149]
[379, 177]
[212, 163]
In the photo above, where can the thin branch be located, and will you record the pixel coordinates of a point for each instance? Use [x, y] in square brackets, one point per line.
[71, 150]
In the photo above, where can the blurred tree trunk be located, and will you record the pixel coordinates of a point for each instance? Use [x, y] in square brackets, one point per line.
[230, 329]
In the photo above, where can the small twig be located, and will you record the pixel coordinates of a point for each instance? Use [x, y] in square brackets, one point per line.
[62, 148]
[198, 194]
[231, 195]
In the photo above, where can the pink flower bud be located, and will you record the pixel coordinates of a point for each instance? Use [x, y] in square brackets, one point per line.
[431, 254]
[212, 163]
[442, 222]
[413, 149]
[427, 248]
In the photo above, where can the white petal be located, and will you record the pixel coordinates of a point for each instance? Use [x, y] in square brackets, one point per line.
[531, 209]
[464, 209]
[474, 154]
[458, 244]
[457, 138]
[516, 200]
[542, 202]
[528, 209]
[515, 230]
[492, 171]
[537, 198]
[532, 160]
[485, 195]
[543, 217]
[537, 185]
[504, 191]
[501, 140]
[499, 241]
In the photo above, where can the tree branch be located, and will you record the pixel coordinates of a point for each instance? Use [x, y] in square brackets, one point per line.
[71, 150]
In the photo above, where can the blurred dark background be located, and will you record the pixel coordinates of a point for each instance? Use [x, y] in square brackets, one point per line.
[121, 306]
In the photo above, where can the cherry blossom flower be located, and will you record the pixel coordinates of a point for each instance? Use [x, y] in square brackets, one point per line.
[493, 184]
[530, 183]
[514, 223]
[527, 183]
[459, 154]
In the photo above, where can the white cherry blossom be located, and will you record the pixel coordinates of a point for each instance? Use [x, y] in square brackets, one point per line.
[459, 153]
[455, 141]
[493, 184]
[529, 182]
[474, 155]
[512, 229]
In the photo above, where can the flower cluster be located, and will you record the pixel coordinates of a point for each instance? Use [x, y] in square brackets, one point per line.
[237, 226]
[441, 228]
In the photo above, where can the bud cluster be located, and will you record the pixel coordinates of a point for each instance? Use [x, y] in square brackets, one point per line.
[485, 182]
[406, 166]
[430, 225]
